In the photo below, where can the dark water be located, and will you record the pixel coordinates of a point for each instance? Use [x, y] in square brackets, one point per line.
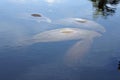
[22, 58]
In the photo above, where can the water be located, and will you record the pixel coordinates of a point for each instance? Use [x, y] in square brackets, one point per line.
[62, 50]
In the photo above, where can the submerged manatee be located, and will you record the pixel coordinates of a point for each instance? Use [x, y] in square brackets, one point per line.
[36, 17]
[84, 39]
[75, 53]
[84, 32]
[62, 34]
[81, 23]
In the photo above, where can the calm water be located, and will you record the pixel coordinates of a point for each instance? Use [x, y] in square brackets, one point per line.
[94, 54]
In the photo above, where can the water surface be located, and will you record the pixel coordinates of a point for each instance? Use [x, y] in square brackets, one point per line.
[58, 52]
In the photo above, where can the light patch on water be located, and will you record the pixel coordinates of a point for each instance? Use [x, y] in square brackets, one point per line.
[22, 1]
[67, 30]
[54, 1]
[50, 1]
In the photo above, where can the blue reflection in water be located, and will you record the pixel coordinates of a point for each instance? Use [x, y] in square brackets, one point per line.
[55, 60]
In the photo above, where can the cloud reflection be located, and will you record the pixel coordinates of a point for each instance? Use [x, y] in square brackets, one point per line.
[54, 1]
[31, 1]
[81, 23]
[22, 1]
[50, 1]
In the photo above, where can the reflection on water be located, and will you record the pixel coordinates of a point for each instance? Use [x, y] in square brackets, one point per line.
[105, 7]
[58, 40]
[32, 1]
[52, 1]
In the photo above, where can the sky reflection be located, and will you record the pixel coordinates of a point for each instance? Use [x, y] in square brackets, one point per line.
[34, 48]
[103, 8]
[36, 1]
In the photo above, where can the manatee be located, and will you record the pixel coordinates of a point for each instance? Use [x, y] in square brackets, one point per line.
[81, 23]
[83, 32]
[62, 34]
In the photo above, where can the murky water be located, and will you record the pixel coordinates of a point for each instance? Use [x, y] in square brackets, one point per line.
[59, 40]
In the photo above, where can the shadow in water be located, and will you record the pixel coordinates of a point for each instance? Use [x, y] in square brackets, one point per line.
[119, 66]
[104, 8]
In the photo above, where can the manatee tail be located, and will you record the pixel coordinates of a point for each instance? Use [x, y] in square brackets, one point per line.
[77, 51]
